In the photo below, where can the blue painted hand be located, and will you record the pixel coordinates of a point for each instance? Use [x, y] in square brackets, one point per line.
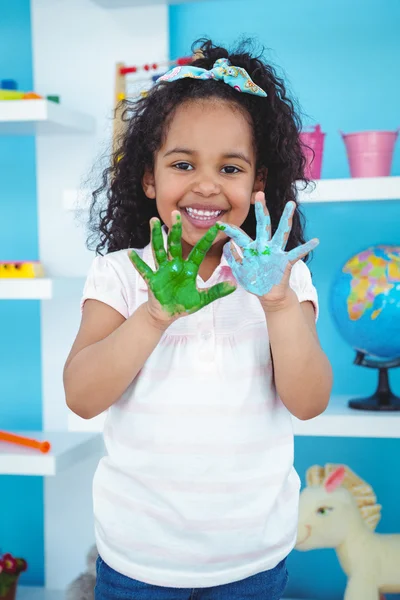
[264, 265]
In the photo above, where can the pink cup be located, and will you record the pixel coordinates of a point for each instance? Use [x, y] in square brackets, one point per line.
[313, 148]
[370, 153]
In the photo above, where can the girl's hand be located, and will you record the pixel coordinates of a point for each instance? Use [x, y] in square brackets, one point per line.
[173, 291]
[264, 269]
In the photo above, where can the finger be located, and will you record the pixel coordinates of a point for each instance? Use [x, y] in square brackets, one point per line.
[286, 275]
[220, 290]
[285, 225]
[175, 236]
[234, 265]
[199, 251]
[141, 266]
[157, 242]
[301, 251]
[239, 236]
[238, 259]
[263, 229]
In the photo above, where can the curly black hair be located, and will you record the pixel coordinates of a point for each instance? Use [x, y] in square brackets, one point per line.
[124, 222]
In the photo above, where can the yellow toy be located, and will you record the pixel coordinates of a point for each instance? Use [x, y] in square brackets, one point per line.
[21, 270]
[17, 95]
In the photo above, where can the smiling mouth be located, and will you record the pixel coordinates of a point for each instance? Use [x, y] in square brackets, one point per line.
[203, 214]
[204, 217]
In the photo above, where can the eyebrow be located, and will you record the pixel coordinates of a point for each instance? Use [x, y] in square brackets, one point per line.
[239, 155]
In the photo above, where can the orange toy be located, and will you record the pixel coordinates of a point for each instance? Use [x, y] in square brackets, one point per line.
[31, 96]
[21, 440]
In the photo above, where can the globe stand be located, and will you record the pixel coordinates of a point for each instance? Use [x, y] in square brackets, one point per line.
[383, 399]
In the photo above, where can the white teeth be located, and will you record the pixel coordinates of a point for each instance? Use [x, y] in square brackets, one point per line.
[203, 215]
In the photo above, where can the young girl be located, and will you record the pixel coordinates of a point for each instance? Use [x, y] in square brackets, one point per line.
[200, 348]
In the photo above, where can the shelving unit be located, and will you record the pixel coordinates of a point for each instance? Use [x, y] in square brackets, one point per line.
[351, 190]
[341, 421]
[67, 496]
[26, 289]
[67, 493]
[67, 448]
[41, 117]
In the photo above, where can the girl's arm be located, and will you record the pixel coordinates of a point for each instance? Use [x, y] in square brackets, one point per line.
[107, 354]
[303, 375]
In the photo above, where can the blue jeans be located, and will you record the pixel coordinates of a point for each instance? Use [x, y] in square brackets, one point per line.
[268, 585]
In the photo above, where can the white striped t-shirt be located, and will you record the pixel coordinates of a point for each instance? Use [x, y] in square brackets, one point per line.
[197, 487]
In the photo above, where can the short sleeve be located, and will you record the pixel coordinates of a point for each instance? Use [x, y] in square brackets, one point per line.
[105, 284]
[301, 283]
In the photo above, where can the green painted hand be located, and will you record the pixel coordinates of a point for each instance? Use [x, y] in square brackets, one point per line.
[173, 284]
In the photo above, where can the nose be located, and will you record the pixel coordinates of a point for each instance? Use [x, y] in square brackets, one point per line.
[206, 186]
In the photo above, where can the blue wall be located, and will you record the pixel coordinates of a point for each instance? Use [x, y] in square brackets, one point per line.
[21, 498]
[341, 61]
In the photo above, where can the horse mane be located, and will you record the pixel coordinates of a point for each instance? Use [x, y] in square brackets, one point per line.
[361, 491]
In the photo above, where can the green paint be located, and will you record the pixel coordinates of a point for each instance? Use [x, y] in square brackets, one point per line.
[253, 252]
[267, 251]
[174, 282]
[220, 227]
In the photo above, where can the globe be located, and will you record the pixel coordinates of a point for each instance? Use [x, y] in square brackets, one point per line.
[365, 305]
[365, 302]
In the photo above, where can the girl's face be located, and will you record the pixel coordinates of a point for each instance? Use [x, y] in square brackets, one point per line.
[206, 169]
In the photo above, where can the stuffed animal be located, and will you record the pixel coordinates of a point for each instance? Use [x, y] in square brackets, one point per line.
[82, 588]
[339, 510]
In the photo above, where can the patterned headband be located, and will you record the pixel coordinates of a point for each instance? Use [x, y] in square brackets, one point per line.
[222, 70]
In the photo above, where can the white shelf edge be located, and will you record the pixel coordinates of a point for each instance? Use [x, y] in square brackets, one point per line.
[341, 421]
[39, 288]
[27, 117]
[67, 448]
[351, 190]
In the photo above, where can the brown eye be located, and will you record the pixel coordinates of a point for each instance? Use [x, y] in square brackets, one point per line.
[231, 170]
[183, 166]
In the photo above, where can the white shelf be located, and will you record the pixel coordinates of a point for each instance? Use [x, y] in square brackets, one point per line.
[341, 421]
[30, 593]
[67, 449]
[31, 117]
[351, 189]
[26, 289]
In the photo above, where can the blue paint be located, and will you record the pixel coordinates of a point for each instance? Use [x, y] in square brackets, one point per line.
[21, 498]
[341, 60]
[264, 260]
